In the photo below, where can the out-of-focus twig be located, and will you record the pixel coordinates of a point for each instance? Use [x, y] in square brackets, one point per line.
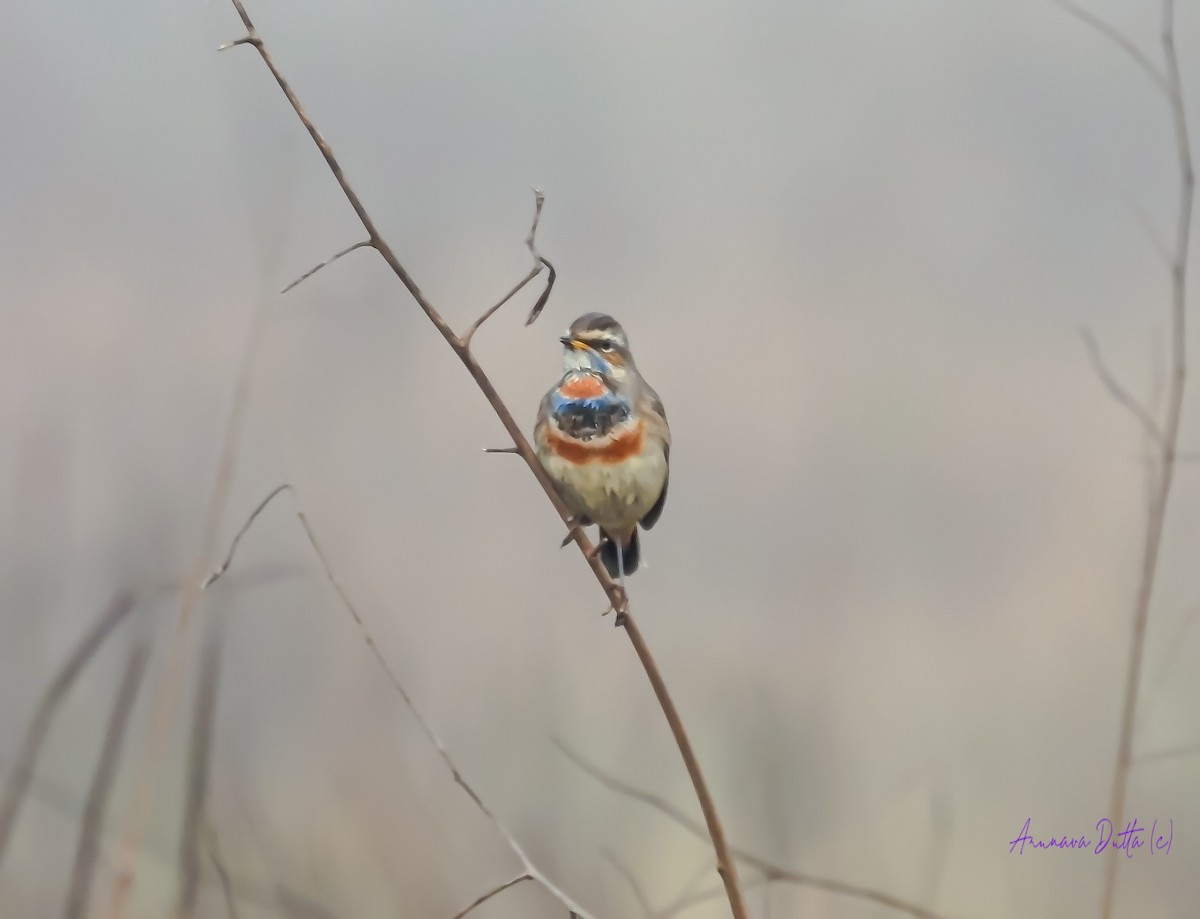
[1169, 83]
[1119, 39]
[174, 670]
[1158, 756]
[460, 345]
[199, 759]
[635, 886]
[106, 769]
[224, 877]
[262, 895]
[529, 868]
[771, 872]
[493, 892]
[22, 771]
[1116, 390]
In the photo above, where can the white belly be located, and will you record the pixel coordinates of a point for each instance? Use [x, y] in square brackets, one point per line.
[614, 495]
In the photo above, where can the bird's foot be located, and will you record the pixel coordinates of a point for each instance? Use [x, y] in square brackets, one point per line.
[575, 526]
[621, 607]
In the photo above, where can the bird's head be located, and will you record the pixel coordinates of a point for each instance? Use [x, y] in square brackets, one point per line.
[597, 342]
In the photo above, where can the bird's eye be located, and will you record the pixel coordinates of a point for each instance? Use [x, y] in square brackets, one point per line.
[605, 346]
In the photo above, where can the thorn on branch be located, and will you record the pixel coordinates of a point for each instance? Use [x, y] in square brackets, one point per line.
[244, 40]
[364, 244]
[500, 450]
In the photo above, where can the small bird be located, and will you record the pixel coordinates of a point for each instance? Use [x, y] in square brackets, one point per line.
[602, 435]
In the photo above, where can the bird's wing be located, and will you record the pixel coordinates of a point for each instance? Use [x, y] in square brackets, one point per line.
[655, 512]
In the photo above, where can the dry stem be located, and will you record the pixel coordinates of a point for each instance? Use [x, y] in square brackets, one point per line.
[22, 772]
[771, 872]
[1168, 81]
[461, 347]
[102, 779]
[528, 866]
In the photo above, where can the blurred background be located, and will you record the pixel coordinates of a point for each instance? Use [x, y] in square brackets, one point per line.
[853, 244]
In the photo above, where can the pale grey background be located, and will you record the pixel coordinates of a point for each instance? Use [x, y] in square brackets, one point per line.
[852, 243]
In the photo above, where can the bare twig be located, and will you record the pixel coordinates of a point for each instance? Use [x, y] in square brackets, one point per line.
[364, 244]
[1159, 756]
[771, 872]
[690, 894]
[616, 596]
[538, 262]
[174, 668]
[214, 855]
[1116, 390]
[444, 754]
[199, 758]
[262, 895]
[1174, 649]
[102, 779]
[494, 891]
[1170, 84]
[22, 771]
[237, 538]
[1120, 40]
[1156, 240]
[630, 878]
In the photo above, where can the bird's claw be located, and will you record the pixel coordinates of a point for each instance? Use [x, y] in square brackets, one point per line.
[622, 611]
[575, 526]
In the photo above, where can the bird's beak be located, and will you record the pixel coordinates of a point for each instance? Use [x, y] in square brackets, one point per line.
[575, 343]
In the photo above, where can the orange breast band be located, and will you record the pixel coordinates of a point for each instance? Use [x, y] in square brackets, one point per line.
[608, 450]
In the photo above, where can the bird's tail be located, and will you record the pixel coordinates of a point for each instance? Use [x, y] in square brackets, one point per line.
[629, 556]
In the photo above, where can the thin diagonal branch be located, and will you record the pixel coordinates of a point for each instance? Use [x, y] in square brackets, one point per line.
[102, 779]
[1174, 648]
[174, 668]
[630, 878]
[538, 262]
[494, 891]
[1122, 41]
[1156, 240]
[199, 758]
[616, 596]
[392, 677]
[770, 871]
[1170, 84]
[1159, 756]
[237, 538]
[21, 775]
[223, 875]
[691, 895]
[363, 244]
[1115, 389]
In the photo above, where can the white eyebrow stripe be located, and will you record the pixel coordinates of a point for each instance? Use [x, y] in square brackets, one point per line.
[597, 335]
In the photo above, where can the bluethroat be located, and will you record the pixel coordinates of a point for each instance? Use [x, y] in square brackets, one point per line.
[602, 435]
